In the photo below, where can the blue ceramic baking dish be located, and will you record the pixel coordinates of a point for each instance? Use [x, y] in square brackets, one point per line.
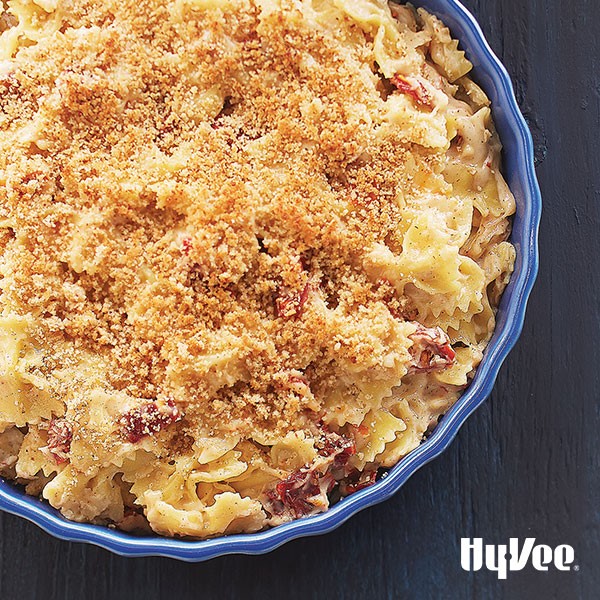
[520, 174]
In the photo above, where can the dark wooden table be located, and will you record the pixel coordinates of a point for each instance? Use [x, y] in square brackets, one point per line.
[525, 465]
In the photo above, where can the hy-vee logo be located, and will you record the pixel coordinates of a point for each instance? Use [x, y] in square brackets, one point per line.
[502, 558]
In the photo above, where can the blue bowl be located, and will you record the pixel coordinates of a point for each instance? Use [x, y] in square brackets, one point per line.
[520, 174]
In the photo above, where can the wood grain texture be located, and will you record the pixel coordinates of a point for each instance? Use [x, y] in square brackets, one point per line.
[526, 464]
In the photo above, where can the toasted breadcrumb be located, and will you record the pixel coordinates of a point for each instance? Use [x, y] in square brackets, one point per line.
[201, 204]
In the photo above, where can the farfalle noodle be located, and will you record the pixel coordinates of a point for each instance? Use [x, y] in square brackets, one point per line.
[250, 252]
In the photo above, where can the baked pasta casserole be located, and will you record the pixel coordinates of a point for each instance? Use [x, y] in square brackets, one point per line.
[250, 252]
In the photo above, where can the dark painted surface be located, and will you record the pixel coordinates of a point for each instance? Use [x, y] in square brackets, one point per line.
[526, 464]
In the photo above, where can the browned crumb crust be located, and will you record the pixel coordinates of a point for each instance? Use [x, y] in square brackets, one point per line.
[252, 246]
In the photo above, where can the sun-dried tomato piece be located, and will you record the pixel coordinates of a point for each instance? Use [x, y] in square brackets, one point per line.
[290, 305]
[363, 429]
[186, 245]
[149, 418]
[60, 436]
[296, 491]
[339, 446]
[356, 481]
[304, 492]
[415, 89]
[431, 350]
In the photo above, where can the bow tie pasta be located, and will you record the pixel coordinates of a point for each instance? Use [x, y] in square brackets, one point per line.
[250, 252]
